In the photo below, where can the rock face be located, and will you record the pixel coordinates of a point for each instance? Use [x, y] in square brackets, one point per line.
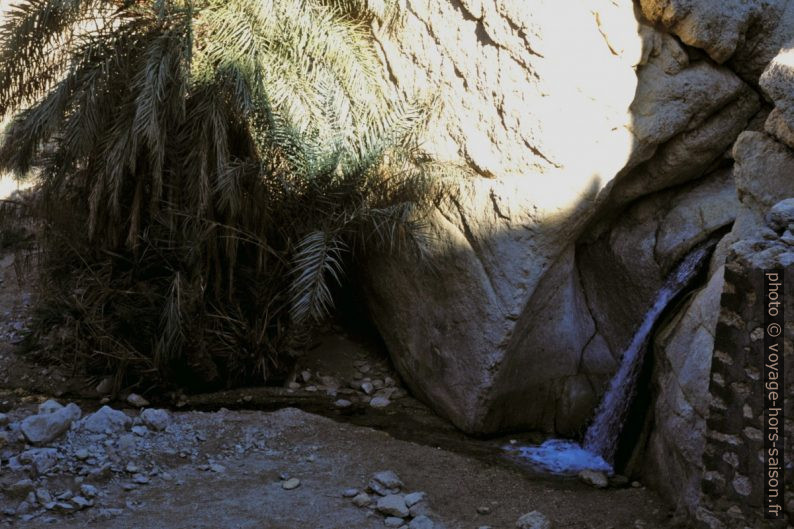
[702, 451]
[500, 334]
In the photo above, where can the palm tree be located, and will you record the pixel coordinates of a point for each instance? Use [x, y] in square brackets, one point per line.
[204, 168]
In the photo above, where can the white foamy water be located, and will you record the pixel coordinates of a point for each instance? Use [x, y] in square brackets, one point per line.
[597, 452]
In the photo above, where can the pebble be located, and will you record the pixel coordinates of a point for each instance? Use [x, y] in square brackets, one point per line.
[636, 484]
[379, 402]
[89, 491]
[218, 468]
[483, 509]
[136, 400]
[292, 483]
[414, 498]
[306, 376]
[393, 505]
[343, 403]
[421, 522]
[140, 479]
[349, 493]
[533, 520]
[293, 385]
[362, 500]
[367, 388]
[594, 478]
[392, 521]
[81, 454]
[388, 478]
[157, 420]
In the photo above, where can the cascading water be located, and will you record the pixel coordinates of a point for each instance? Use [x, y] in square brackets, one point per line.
[597, 452]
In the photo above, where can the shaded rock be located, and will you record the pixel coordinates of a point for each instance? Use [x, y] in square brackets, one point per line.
[379, 402]
[19, 489]
[391, 521]
[392, 505]
[290, 484]
[155, 419]
[48, 426]
[414, 498]
[534, 520]
[136, 400]
[781, 215]
[421, 522]
[594, 478]
[40, 459]
[49, 406]
[106, 419]
[362, 500]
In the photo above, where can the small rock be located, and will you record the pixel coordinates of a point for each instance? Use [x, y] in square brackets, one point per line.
[131, 467]
[349, 493]
[393, 505]
[414, 498]
[157, 420]
[388, 478]
[379, 402]
[89, 491]
[293, 385]
[362, 500]
[45, 427]
[136, 400]
[388, 381]
[81, 502]
[140, 479]
[533, 520]
[618, 481]
[306, 376]
[106, 420]
[392, 521]
[421, 522]
[81, 454]
[594, 478]
[420, 509]
[49, 406]
[292, 483]
[41, 459]
[105, 386]
[787, 238]
[219, 469]
[367, 388]
[43, 496]
[140, 431]
[483, 509]
[636, 484]
[343, 403]
[20, 489]
[781, 214]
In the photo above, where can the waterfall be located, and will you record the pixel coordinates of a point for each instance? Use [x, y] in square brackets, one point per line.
[598, 450]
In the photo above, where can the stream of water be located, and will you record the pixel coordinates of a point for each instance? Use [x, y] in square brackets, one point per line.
[597, 451]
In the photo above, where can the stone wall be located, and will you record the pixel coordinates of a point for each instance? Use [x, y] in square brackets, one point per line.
[732, 485]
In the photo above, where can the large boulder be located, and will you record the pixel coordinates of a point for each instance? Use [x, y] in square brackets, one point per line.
[556, 140]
